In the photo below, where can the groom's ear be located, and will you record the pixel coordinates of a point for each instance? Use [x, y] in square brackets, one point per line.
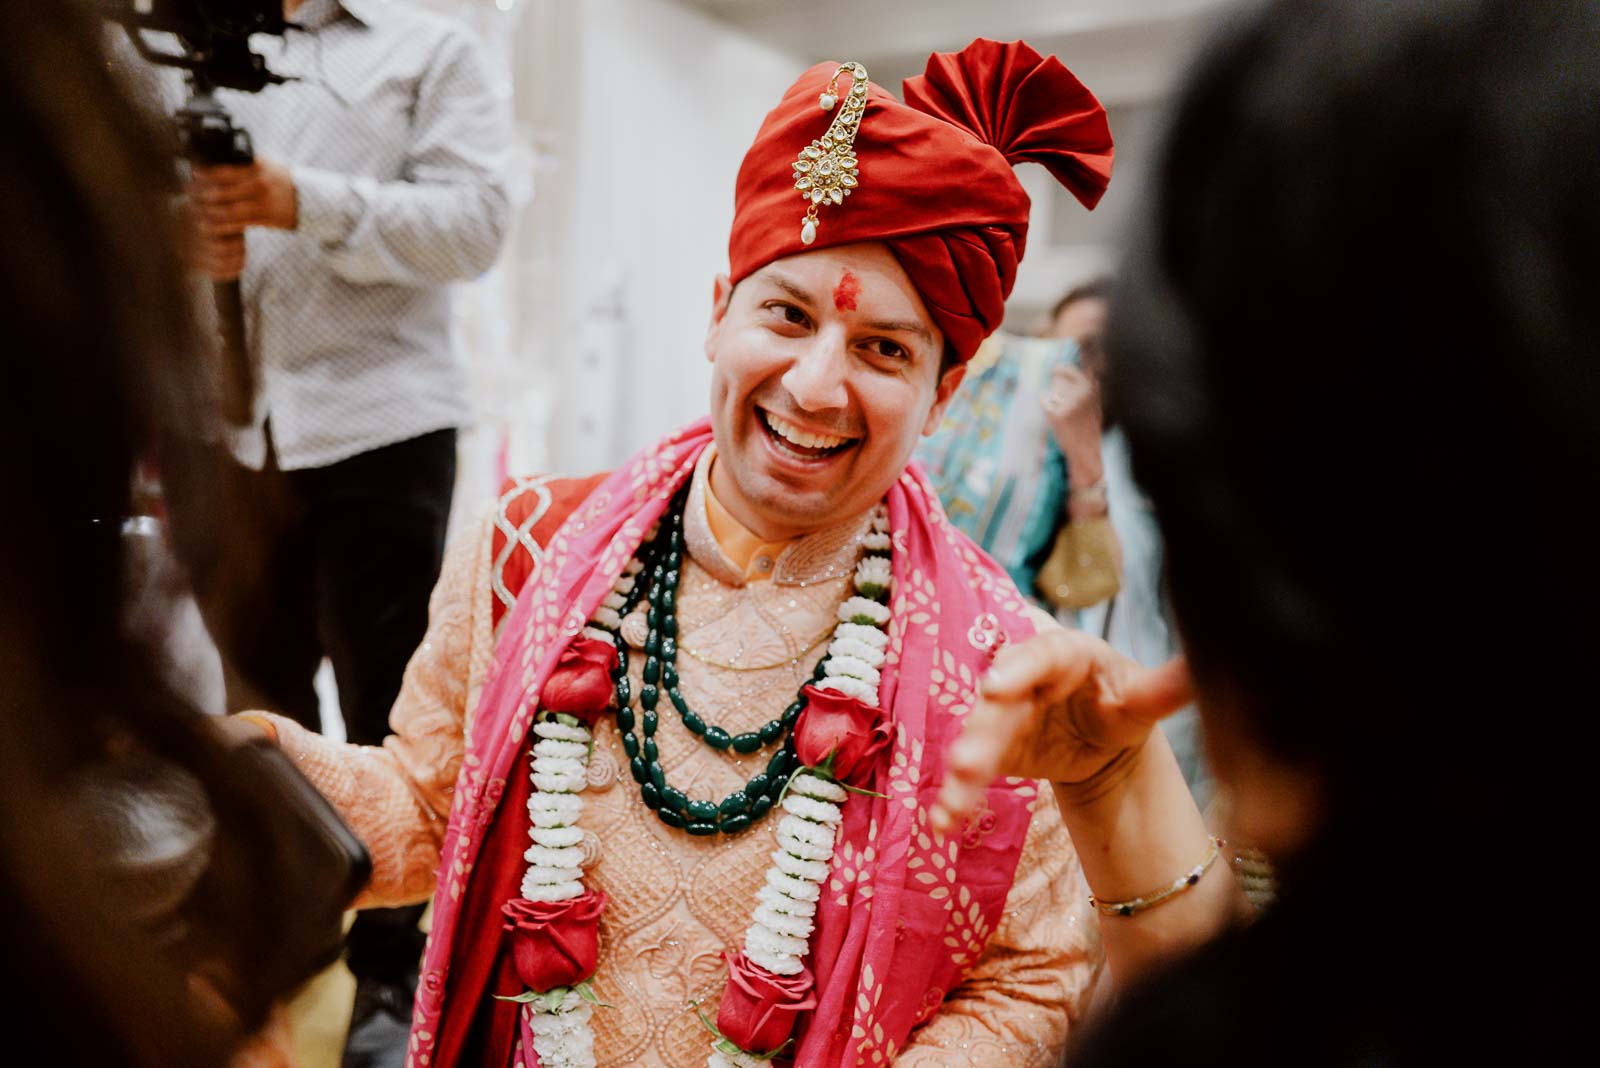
[721, 295]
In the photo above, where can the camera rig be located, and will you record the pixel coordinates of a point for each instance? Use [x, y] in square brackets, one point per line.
[213, 39]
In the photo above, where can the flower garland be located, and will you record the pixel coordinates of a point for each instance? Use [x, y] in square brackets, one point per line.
[836, 739]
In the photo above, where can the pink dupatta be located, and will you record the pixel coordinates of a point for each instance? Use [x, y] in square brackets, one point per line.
[899, 902]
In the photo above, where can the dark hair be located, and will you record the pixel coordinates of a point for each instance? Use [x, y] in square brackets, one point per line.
[1356, 346]
[1098, 288]
[101, 372]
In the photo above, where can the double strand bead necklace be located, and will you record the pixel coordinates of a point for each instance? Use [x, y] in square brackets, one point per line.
[662, 561]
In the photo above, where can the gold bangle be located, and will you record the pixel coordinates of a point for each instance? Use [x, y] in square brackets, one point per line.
[1183, 882]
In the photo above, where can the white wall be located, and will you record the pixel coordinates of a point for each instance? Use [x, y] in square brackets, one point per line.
[664, 102]
[584, 341]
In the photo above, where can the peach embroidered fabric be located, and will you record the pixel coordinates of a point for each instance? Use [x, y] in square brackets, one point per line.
[678, 902]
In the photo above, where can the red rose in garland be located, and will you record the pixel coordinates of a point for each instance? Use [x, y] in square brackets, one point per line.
[846, 728]
[759, 1008]
[581, 683]
[555, 943]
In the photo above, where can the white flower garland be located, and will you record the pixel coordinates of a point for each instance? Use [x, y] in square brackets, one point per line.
[777, 939]
[562, 1036]
[786, 905]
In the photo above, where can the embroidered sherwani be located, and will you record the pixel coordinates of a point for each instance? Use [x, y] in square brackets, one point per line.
[753, 621]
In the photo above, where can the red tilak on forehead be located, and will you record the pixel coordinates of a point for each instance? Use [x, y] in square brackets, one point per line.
[846, 292]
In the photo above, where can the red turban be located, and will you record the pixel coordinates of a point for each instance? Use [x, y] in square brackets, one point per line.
[935, 178]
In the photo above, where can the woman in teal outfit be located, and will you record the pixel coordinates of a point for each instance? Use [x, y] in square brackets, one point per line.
[998, 470]
[1003, 464]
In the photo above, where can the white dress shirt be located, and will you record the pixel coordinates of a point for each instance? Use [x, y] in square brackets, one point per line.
[398, 143]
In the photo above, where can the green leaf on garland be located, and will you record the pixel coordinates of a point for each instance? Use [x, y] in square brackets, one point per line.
[709, 1025]
[550, 1000]
[768, 1056]
[728, 1045]
[820, 772]
[586, 991]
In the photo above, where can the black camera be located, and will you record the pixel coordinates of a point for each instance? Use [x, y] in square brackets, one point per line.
[213, 36]
[213, 49]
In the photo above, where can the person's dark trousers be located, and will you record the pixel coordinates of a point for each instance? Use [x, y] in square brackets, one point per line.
[349, 554]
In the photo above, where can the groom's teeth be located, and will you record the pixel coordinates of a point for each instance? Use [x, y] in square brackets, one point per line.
[800, 437]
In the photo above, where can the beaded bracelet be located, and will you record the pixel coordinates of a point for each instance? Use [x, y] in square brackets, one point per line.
[1171, 890]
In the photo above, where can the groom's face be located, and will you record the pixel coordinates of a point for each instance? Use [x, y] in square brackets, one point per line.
[825, 369]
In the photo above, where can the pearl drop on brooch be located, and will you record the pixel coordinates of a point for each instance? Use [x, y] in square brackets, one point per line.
[808, 231]
[826, 101]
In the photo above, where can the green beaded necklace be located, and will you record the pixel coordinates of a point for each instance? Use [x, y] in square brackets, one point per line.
[662, 561]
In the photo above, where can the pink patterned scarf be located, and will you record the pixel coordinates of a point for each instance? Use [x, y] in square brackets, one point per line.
[900, 902]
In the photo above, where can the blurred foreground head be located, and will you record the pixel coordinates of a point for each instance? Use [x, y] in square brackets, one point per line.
[98, 367]
[1358, 354]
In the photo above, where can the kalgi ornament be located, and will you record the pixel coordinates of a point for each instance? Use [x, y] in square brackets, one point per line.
[826, 171]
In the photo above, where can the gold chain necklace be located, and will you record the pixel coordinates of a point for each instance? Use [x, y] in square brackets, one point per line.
[789, 660]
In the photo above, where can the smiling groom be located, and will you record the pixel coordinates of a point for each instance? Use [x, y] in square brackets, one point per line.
[672, 737]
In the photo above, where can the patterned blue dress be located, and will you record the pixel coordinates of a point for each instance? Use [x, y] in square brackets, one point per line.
[993, 460]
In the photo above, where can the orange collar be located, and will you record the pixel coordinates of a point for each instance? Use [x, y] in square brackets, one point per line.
[756, 558]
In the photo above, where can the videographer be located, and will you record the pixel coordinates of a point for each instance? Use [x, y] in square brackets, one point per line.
[378, 181]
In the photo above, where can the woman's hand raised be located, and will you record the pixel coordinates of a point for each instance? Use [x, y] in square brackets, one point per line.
[1061, 706]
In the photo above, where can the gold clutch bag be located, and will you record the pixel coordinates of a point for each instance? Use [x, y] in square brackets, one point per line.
[1084, 566]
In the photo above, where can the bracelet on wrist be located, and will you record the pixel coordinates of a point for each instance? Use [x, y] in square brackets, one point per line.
[1089, 503]
[1184, 882]
[1092, 494]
